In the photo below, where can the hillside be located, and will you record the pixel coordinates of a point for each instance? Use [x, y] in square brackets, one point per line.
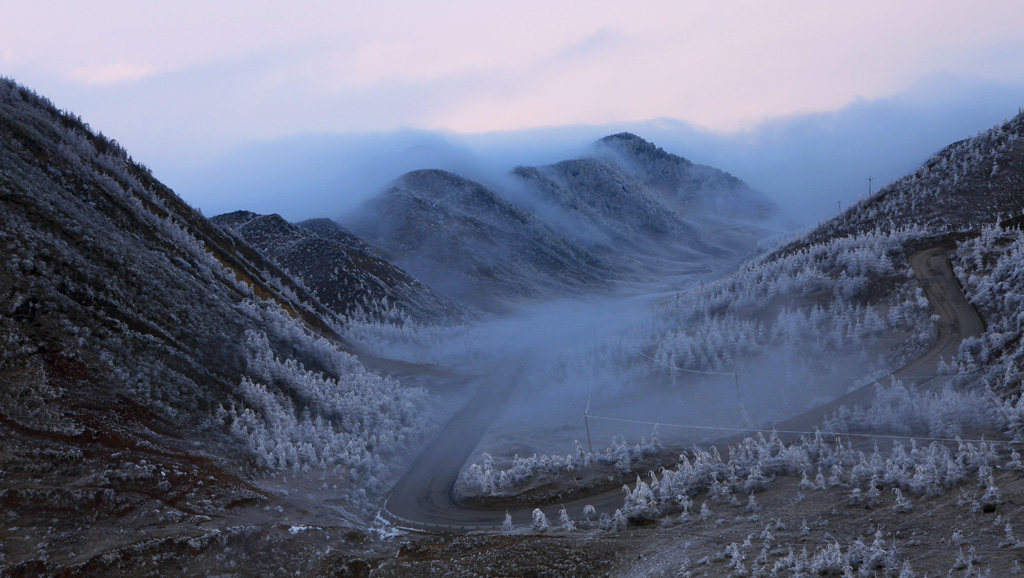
[629, 212]
[919, 474]
[341, 270]
[631, 201]
[183, 396]
[968, 184]
[466, 241]
[158, 375]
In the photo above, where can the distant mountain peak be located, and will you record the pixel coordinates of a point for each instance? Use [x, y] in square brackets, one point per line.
[435, 177]
[457, 193]
[236, 219]
[638, 147]
[624, 137]
[341, 269]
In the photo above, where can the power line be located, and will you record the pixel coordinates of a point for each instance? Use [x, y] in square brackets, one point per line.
[824, 377]
[799, 432]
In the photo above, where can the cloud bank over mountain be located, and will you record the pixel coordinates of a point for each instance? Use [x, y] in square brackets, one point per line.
[806, 163]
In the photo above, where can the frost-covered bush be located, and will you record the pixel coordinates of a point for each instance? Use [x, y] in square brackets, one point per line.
[909, 410]
[299, 420]
[752, 465]
[484, 479]
[815, 300]
[991, 267]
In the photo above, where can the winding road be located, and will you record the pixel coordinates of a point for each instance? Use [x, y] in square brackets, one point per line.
[423, 498]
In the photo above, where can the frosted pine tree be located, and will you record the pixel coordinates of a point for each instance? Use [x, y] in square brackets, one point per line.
[990, 499]
[540, 521]
[752, 505]
[705, 512]
[565, 521]
[589, 513]
[902, 504]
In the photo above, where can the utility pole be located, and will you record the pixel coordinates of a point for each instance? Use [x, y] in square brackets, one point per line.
[869, 185]
[590, 446]
[840, 208]
[586, 423]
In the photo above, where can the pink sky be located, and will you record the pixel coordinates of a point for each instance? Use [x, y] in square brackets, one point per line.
[189, 79]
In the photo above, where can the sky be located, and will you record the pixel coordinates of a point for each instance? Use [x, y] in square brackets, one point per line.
[188, 86]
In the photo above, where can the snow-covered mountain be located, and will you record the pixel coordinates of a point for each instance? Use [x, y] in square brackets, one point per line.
[174, 400]
[343, 271]
[629, 211]
[465, 240]
[631, 200]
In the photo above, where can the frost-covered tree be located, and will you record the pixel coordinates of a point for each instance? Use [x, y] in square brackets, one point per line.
[540, 520]
[565, 521]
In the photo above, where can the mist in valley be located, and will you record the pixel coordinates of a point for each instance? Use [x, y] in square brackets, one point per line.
[532, 289]
[624, 354]
[644, 322]
[602, 355]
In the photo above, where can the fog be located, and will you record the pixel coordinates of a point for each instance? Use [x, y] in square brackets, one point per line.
[809, 164]
[580, 357]
[592, 354]
[588, 355]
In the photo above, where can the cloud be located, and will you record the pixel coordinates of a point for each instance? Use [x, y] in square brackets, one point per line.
[807, 162]
[121, 71]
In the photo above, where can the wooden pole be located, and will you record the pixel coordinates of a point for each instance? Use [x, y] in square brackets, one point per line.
[587, 423]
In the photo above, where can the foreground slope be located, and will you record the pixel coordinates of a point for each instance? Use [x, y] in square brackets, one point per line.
[156, 372]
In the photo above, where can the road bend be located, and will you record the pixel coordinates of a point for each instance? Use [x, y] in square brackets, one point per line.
[424, 497]
[957, 320]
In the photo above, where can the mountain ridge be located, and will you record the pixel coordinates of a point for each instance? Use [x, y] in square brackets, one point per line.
[343, 271]
[584, 225]
[465, 240]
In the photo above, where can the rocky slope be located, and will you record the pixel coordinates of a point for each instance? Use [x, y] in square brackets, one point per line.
[468, 242]
[628, 212]
[631, 200]
[343, 271]
[156, 372]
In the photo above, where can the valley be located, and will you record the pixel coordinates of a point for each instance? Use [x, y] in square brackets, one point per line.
[401, 390]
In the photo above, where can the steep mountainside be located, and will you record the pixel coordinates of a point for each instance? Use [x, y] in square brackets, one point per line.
[466, 241]
[342, 270]
[632, 200]
[629, 212]
[969, 195]
[965, 185]
[690, 188]
[156, 371]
